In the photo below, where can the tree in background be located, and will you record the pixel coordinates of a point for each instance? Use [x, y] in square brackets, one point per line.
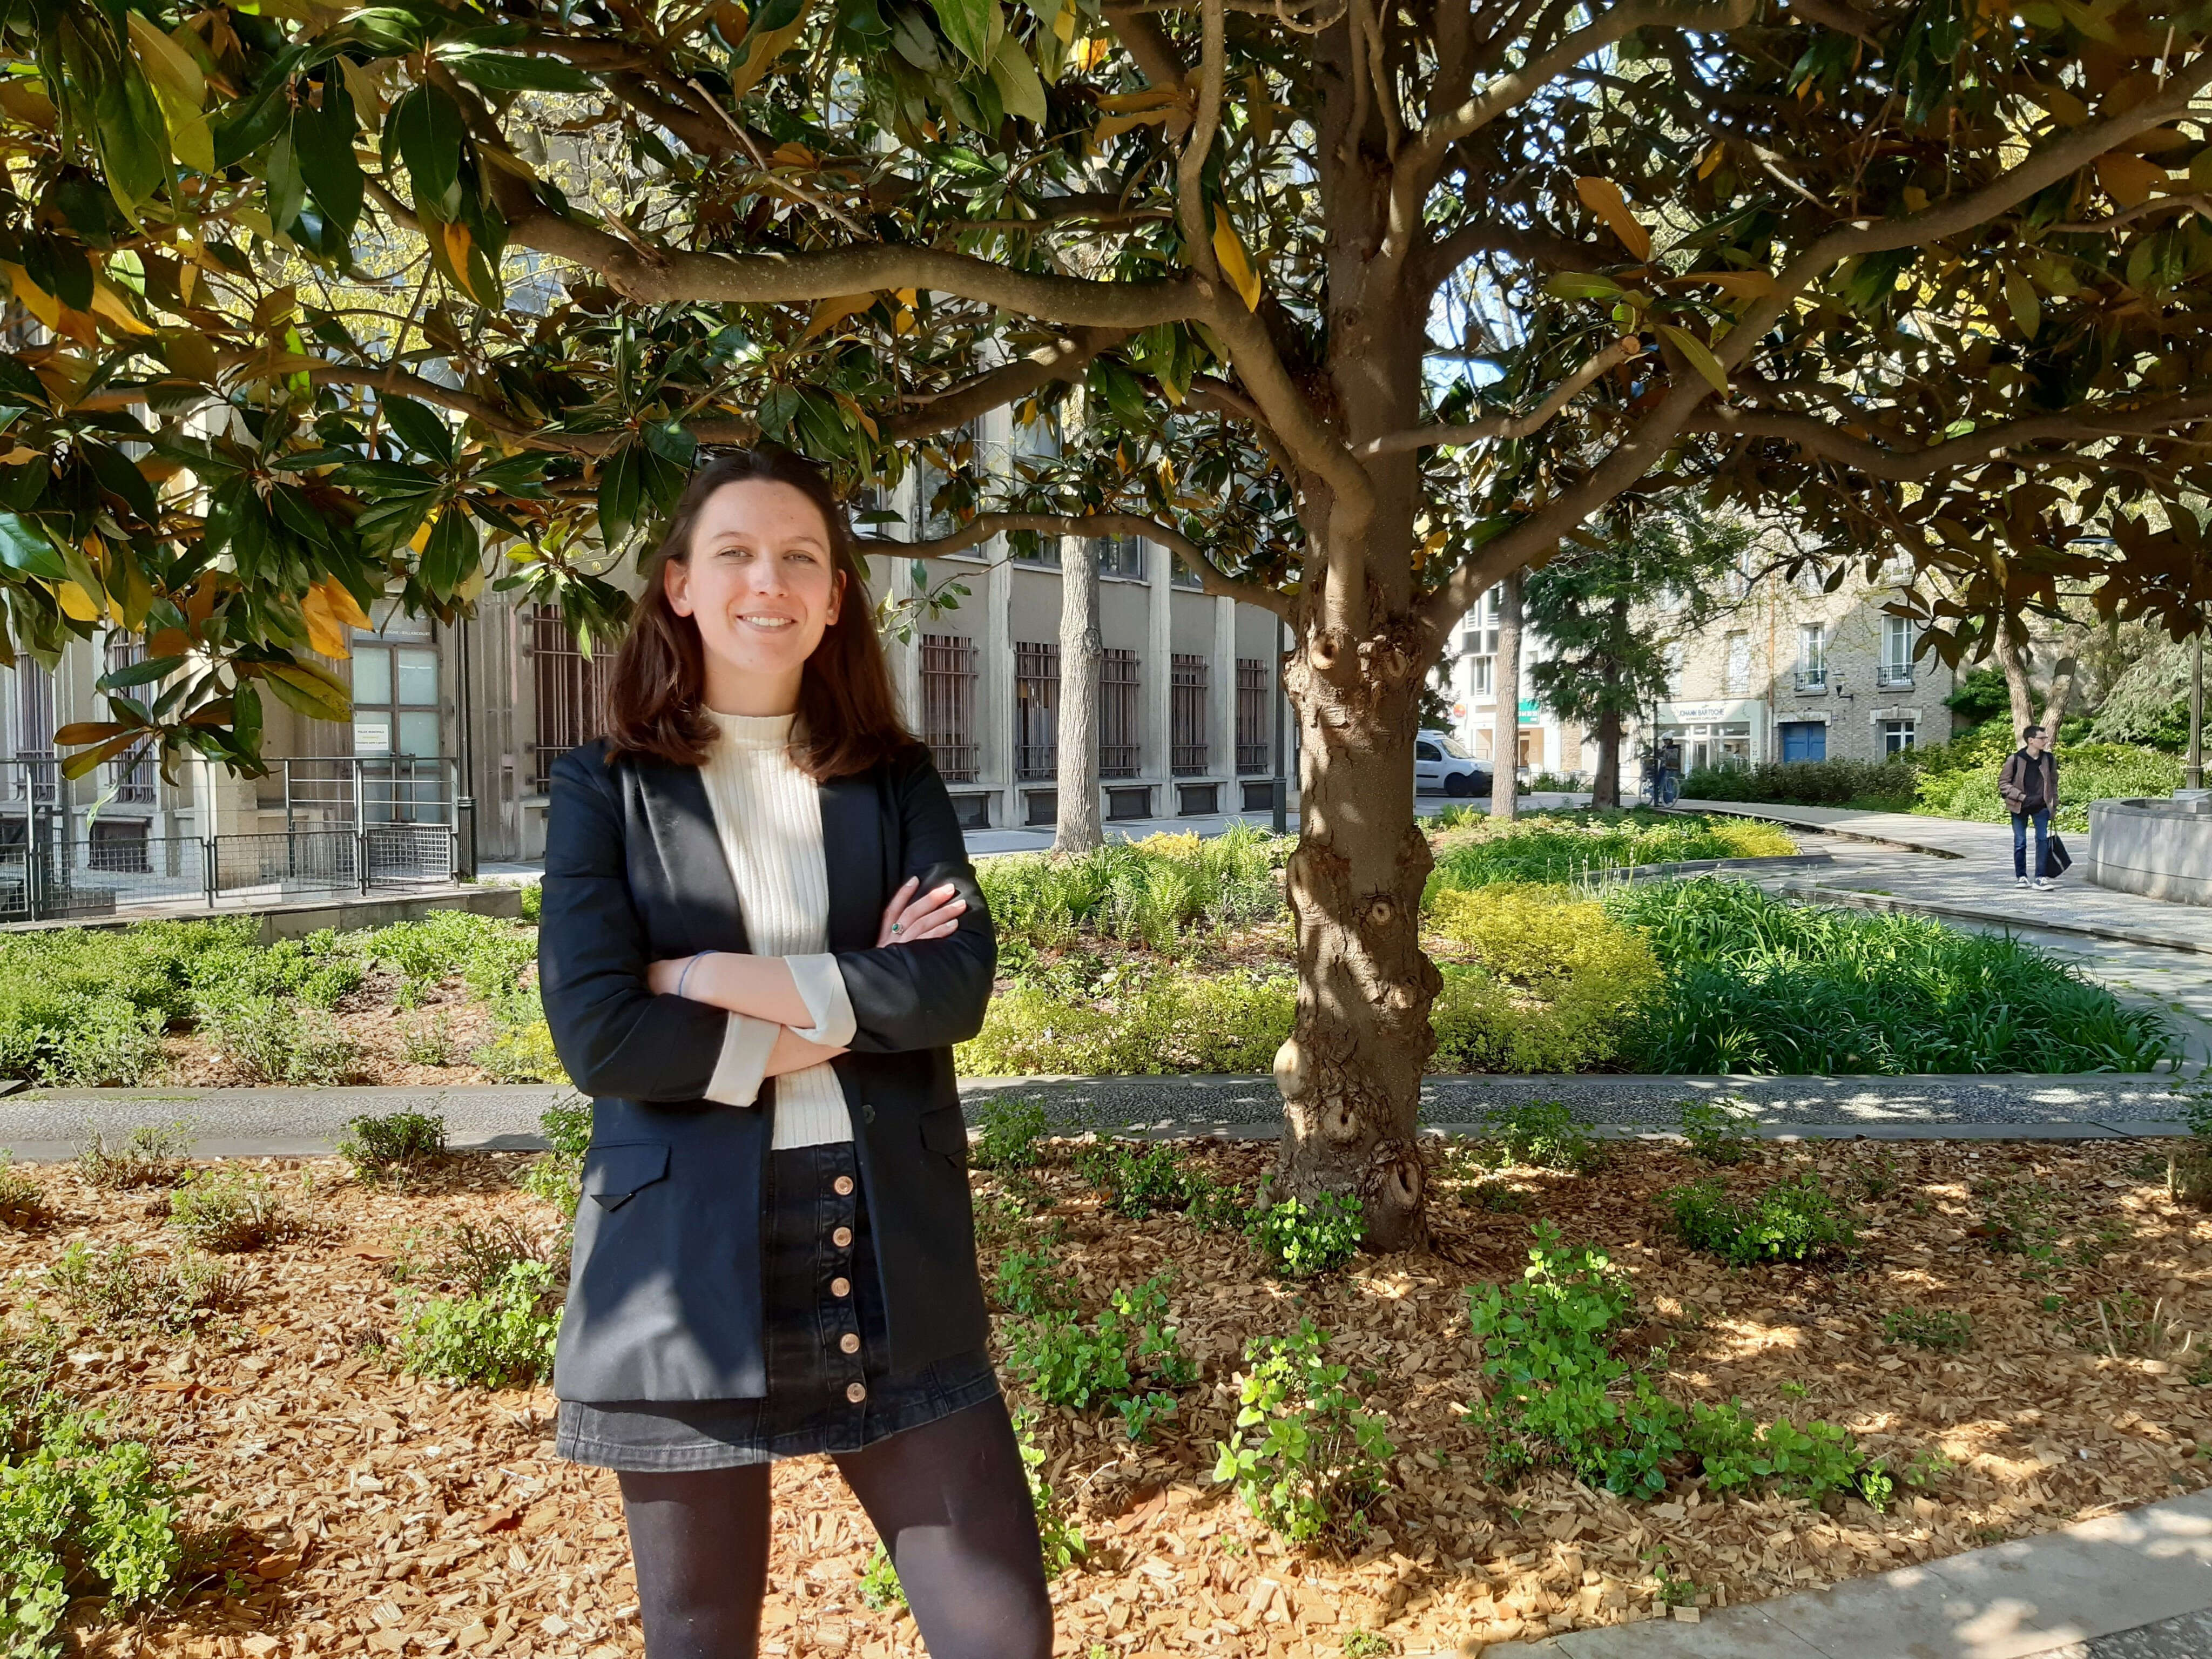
[408, 299]
[1609, 641]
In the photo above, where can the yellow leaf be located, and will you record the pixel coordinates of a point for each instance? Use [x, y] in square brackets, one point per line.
[110, 304]
[1092, 52]
[1713, 159]
[790, 156]
[2066, 108]
[2021, 300]
[1737, 284]
[170, 70]
[759, 50]
[192, 142]
[35, 300]
[1700, 356]
[421, 539]
[828, 313]
[324, 632]
[1228, 253]
[344, 605]
[1113, 126]
[78, 732]
[77, 605]
[26, 102]
[454, 237]
[2129, 179]
[1120, 103]
[1603, 197]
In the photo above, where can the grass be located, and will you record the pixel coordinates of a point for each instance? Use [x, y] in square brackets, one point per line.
[1757, 984]
[1581, 846]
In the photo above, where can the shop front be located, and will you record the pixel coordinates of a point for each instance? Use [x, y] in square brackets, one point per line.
[1723, 732]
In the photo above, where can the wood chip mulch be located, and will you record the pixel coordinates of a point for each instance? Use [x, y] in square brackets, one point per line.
[379, 1514]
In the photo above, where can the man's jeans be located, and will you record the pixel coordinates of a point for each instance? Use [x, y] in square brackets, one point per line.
[2042, 816]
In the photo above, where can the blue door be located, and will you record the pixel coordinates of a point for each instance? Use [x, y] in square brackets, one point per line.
[1804, 740]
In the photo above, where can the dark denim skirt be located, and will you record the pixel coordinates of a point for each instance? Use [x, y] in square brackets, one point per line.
[827, 1344]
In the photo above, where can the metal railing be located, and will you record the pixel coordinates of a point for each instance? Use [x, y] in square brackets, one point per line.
[1811, 679]
[357, 791]
[1889, 674]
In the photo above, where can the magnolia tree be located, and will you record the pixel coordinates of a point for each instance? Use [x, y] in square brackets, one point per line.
[1384, 301]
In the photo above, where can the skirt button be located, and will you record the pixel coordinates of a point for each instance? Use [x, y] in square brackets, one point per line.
[842, 1238]
[849, 1343]
[856, 1392]
[841, 1287]
[843, 1185]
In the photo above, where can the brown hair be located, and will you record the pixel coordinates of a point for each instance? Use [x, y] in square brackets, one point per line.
[848, 718]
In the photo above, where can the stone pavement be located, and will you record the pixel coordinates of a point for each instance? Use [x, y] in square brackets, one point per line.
[45, 1125]
[2130, 1586]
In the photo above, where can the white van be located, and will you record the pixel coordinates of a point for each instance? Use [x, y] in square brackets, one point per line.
[1441, 762]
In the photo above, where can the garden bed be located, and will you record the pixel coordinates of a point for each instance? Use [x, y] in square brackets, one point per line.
[377, 1513]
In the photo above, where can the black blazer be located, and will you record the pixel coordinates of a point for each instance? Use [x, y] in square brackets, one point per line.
[665, 1290]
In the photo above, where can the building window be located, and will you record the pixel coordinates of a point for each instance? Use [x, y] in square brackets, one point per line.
[1898, 637]
[1674, 663]
[1117, 714]
[119, 847]
[37, 775]
[395, 693]
[1121, 556]
[1041, 549]
[1254, 711]
[948, 704]
[1812, 656]
[1186, 714]
[1481, 631]
[133, 779]
[1484, 669]
[1036, 709]
[1896, 737]
[572, 691]
[1181, 574]
[1739, 665]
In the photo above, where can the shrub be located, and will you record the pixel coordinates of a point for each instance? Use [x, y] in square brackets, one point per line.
[1148, 891]
[118, 1287]
[1718, 1133]
[1544, 1134]
[2086, 772]
[521, 1048]
[557, 1176]
[226, 1213]
[1806, 783]
[80, 1512]
[1010, 1130]
[533, 896]
[1125, 1360]
[1545, 981]
[1758, 984]
[1306, 1459]
[278, 1042]
[1553, 848]
[1791, 1221]
[1300, 1240]
[1148, 1023]
[23, 1200]
[428, 1042]
[1944, 1329]
[391, 1145]
[149, 1157]
[500, 1337]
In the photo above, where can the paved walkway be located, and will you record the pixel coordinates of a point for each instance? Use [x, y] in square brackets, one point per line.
[2130, 1586]
[49, 1126]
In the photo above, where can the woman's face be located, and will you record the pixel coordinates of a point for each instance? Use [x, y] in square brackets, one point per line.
[762, 587]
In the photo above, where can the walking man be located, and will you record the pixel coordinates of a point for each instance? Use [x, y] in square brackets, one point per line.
[2029, 785]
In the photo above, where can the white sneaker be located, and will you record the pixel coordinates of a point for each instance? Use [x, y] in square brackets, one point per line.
[2021, 881]
[2045, 884]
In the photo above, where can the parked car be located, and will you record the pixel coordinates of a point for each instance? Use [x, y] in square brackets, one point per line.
[1440, 762]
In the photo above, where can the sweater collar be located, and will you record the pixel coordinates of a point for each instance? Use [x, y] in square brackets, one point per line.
[756, 733]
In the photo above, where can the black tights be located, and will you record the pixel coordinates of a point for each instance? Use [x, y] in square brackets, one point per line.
[949, 1499]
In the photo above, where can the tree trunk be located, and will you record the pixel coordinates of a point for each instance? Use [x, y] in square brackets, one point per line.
[2015, 674]
[2062, 691]
[1605, 783]
[1076, 766]
[1505, 684]
[1351, 1072]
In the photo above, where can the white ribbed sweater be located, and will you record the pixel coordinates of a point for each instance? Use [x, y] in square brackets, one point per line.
[768, 816]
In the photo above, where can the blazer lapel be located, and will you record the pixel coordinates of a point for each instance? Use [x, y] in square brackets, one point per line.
[695, 876]
[853, 846]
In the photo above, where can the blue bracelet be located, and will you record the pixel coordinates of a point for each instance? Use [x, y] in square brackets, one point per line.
[682, 978]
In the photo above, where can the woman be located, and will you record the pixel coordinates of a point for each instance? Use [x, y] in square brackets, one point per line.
[761, 938]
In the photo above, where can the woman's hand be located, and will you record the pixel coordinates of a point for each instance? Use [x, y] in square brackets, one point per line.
[911, 916]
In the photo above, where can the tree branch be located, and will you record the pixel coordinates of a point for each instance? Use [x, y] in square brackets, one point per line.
[984, 525]
[1509, 426]
[1995, 443]
[1190, 165]
[1062, 360]
[1436, 261]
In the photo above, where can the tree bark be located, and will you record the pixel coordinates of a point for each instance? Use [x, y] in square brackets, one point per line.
[2015, 673]
[1076, 766]
[1605, 783]
[2061, 698]
[1505, 684]
[1351, 1070]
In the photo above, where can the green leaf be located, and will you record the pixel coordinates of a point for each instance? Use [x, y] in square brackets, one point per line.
[132, 138]
[420, 427]
[322, 140]
[1020, 88]
[452, 553]
[426, 131]
[507, 71]
[1700, 356]
[2021, 300]
[24, 547]
[968, 24]
[140, 673]
[1581, 285]
[622, 484]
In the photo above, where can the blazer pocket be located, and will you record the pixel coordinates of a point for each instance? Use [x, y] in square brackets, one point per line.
[614, 1175]
[944, 1130]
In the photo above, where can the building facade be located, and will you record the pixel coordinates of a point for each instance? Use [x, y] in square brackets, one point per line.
[1188, 702]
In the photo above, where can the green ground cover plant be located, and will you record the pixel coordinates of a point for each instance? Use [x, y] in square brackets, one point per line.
[1543, 1135]
[494, 1325]
[227, 1212]
[556, 1176]
[1789, 1221]
[1536, 979]
[1584, 846]
[392, 1145]
[118, 1288]
[23, 1200]
[1155, 891]
[1304, 1238]
[1758, 984]
[1087, 1016]
[151, 1155]
[1719, 1132]
[1127, 1359]
[1304, 1457]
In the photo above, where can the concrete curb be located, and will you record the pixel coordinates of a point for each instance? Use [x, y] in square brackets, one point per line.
[1750, 810]
[1820, 893]
[2041, 1596]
